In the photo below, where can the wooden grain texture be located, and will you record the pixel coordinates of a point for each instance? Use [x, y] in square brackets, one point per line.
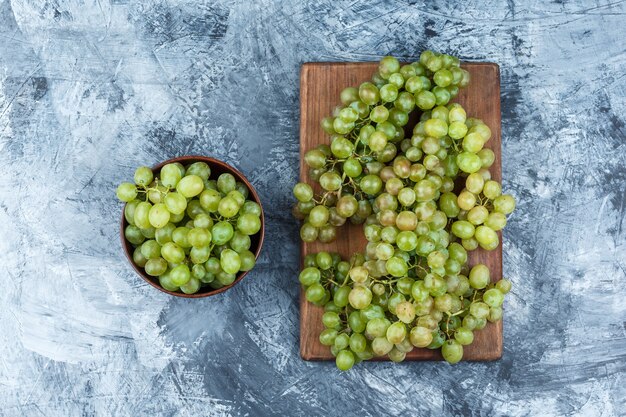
[320, 85]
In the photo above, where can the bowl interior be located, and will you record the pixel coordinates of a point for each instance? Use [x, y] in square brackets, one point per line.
[217, 168]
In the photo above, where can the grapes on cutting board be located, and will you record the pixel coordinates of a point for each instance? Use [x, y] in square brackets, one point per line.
[425, 197]
[189, 230]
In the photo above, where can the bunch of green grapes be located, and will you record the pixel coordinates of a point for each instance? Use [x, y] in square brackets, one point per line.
[188, 230]
[424, 201]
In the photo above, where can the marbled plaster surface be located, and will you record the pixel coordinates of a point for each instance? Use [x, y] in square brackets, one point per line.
[91, 89]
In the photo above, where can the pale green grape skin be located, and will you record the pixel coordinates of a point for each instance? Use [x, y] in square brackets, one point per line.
[158, 216]
[191, 287]
[452, 351]
[143, 176]
[248, 260]
[381, 346]
[230, 261]
[173, 253]
[226, 183]
[199, 255]
[170, 175]
[345, 360]
[479, 310]
[248, 224]
[190, 186]
[222, 232]
[504, 204]
[487, 237]
[360, 297]
[327, 337]
[492, 189]
[303, 192]
[133, 234]
[493, 297]
[126, 192]
[504, 285]
[468, 162]
[138, 257]
[396, 332]
[228, 207]
[141, 216]
[156, 266]
[209, 200]
[150, 249]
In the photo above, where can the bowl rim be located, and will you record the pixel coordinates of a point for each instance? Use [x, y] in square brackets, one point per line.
[126, 246]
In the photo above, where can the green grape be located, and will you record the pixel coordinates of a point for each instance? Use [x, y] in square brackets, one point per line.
[345, 360]
[159, 216]
[493, 297]
[495, 314]
[191, 287]
[342, 341]
[348, 95]
[389, 92]
[129, 211]
[381, 346]
[150, 249]
[138, 258]
[141, 215]
[327, 337]
[230, 261]
[308, 232]
[201, 169]
[452, 351]
[504, 285]
[240, 242]
[143, 176]
[479, 310]
[487, 238]
[155, 266]
[227, 207]
[199, 255]
[209, 200]
[222, 232]
[463, 229]
[425, 100]
[226, 183]
[315, 293]
[165, 281]
[248, 260]
[468, 162]
[126, 191]
[199, 237]
[237, 196]
[369, 94]
[303, 192]
[420, 336]
[172, 253]
[504, 204]
[175, 203]
[170, 175]
[133, 234]
[360, 297]
[473, 143]
[492, 189]
[179, 236]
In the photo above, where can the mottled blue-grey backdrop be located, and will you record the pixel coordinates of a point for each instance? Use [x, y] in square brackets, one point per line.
[90, 89]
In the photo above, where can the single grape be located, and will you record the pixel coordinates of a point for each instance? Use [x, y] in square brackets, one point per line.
[126, 191]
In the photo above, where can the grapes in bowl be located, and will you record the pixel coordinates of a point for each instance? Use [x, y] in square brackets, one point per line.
[192, 226]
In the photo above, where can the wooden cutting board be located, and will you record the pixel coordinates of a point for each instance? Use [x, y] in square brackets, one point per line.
[320, 85]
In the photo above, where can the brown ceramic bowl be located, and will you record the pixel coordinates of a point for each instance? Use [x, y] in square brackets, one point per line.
[217, 168]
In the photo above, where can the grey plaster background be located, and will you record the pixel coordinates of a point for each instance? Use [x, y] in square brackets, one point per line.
[91, 89]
